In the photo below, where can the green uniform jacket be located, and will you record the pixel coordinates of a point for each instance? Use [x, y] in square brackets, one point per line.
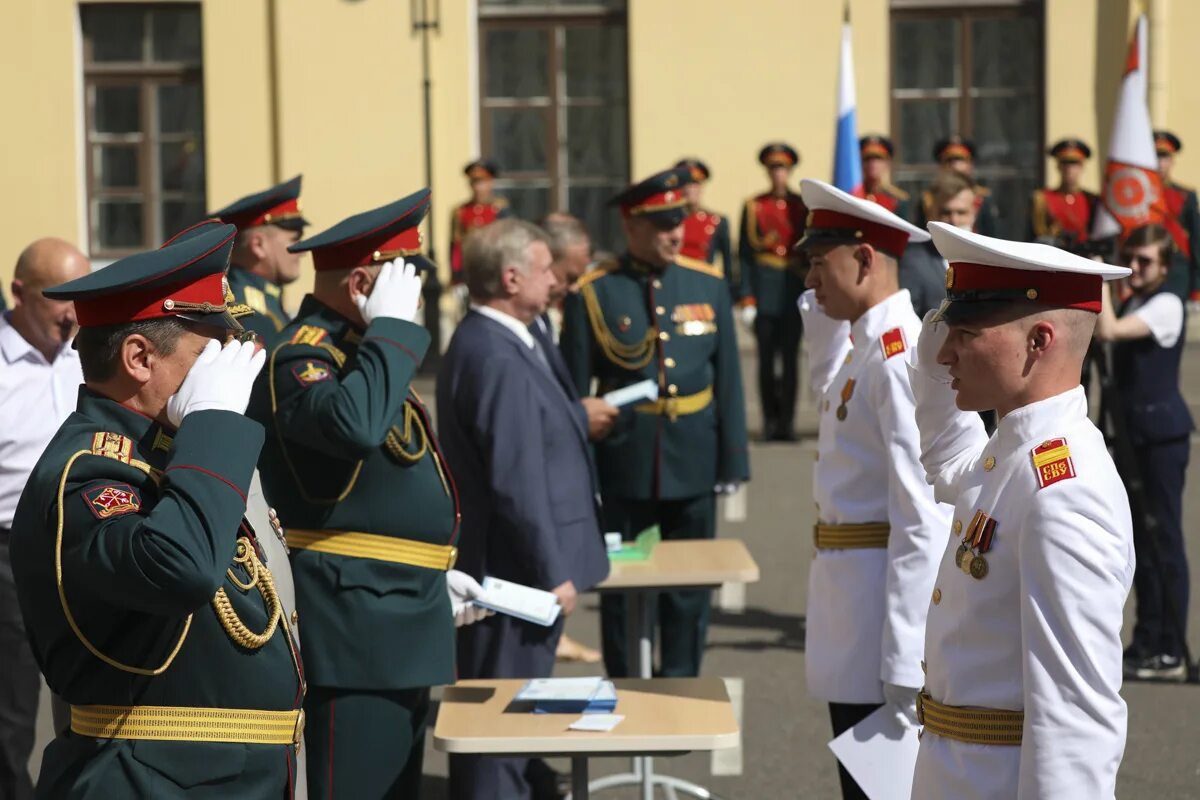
[350, 448]
[771, 272]
[680, 324]
[149, 535]
[264, 298]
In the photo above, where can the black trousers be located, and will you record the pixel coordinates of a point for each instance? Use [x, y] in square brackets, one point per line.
[19, 687]
[682, 615]
[778, 339]
[845, 716]
[1161, 575]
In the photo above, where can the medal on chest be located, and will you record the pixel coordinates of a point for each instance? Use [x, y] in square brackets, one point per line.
[976, 541]
[847, 393]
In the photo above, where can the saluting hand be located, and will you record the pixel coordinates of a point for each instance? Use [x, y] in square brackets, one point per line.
[396, 293]
[220, 379]
[933, 336]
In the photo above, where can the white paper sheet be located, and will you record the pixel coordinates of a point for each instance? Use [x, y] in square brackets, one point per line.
[880, 753]
[524, 602]
[602, 723]
[633, 393]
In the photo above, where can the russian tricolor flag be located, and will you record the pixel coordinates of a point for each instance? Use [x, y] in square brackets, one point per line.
[847, 166]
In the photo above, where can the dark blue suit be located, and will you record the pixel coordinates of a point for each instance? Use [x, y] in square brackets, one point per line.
[515, 437]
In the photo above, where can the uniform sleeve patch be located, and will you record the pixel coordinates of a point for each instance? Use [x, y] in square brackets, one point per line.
[893, 342]
[309, 334]
[1052, 462]
[311, 372]
[112, 500]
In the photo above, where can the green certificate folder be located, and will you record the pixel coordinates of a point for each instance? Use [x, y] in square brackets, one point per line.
[640, 548]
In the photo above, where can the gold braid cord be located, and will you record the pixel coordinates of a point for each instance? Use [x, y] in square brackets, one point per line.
[398, 440]
[632, 357]
[260, 578]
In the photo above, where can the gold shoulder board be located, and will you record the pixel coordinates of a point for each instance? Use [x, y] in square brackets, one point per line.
[309, 334]
[700, 266]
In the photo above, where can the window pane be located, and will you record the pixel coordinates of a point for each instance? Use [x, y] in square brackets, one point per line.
[517, 64]
[926, 54]
[120, 224]
[1004, 53]
[181, 166]
[118, 109]
[595, 61]
[590, 204]
[175, 34]
[528, 202]
[115, 32]
[518, 139]
[596, 142]
[116, 166]
[180, 108]
[1006, 132]
[922, 123]
[179, 214]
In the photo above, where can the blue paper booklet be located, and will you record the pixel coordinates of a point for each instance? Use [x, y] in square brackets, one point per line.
[569, 695]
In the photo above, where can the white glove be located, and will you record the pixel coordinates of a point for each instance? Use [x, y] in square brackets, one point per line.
[826, 342]
[726, 488]
[221, 378]
[396, 293]
[463, 591]
[903, 702]
[933, 336]
[749, 314]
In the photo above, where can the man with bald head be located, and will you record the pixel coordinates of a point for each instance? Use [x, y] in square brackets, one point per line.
[39, 381]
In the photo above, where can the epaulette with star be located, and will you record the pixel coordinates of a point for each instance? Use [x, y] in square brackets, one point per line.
[596, 273]
[712, 270]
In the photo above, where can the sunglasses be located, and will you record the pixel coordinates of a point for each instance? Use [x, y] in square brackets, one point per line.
[1141, 261]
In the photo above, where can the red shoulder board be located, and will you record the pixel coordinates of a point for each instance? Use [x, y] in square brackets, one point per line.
[1052, 462]
[112, 500]
[893, 342]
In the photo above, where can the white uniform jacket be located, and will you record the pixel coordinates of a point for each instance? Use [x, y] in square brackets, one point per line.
[1041, 630]
[866, 607]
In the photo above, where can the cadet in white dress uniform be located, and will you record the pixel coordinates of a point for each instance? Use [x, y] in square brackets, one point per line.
[880, 532]
[1023, 645]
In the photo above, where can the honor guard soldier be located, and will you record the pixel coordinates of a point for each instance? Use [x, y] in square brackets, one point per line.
[654, 315]
[268, 223]
[370, 512]
[876, 153]
[880, 533]
[705, 233]
[1063, 216]
[142, 585]
[958, 155]
[772, 280]
[1184, 278]
[483, 208]
[1023, 637]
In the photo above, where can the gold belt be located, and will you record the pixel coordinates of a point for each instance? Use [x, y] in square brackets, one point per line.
[773, 261]
[371, 545]
[996, 726]
[185, 724]
[861, 536]
[675, 407]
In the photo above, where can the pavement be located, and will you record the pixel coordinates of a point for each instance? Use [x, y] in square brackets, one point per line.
[785, 732]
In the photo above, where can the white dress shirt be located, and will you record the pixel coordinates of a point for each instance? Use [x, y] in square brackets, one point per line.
[866, 607]
[35, 397]
[1040, 632]
[509, 321]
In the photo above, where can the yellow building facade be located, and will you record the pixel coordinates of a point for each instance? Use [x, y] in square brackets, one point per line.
[333, 89]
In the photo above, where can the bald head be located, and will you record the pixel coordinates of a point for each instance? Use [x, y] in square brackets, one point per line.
[46, 324]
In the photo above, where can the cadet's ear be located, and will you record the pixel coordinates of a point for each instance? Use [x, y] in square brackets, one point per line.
[360, 281]
[135, 356]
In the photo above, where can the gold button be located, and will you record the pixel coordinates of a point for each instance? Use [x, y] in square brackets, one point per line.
[670, 362]
[937, 596]
[664, 337]
[957, 526]
[295, 616]
[989, 463]
[672, 390]
[657, 284]
[660, 310]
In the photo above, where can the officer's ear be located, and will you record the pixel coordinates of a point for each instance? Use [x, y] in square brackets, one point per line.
[361, 280]
[864, 254]
[135, 357]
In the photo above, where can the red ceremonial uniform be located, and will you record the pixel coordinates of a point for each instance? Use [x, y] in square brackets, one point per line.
[1058, 214]
[467, 217]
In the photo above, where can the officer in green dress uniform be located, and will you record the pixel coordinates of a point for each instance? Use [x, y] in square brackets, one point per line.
[655, 315]
[772, 281]
[268, 223]
[705, 232]
[958, 154]
[1184, 224]
[140, 581]
[876, 152]
[369, 509]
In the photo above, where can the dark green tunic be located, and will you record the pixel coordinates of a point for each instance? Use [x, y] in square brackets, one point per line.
[264, 298]
[149, 535]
